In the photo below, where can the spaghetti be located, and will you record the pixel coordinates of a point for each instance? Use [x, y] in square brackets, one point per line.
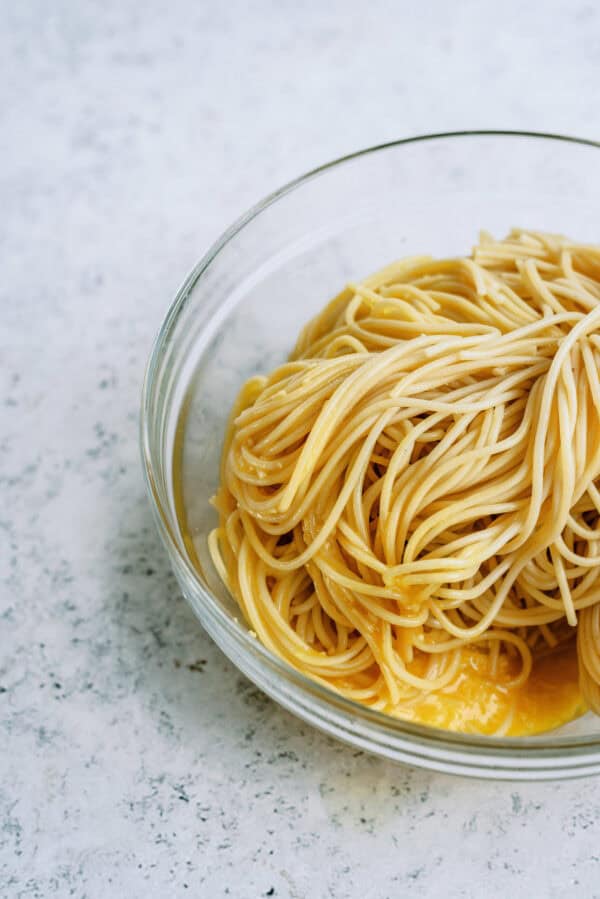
[412, 497]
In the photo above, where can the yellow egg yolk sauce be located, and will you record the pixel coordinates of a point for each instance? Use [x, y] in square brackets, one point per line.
[479, 703]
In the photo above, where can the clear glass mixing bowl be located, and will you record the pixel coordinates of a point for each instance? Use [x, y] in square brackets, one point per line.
[238, 313]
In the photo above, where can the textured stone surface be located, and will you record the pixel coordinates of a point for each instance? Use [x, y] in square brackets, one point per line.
[135, 760]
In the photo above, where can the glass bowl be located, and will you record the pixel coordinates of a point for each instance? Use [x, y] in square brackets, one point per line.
[238, 313]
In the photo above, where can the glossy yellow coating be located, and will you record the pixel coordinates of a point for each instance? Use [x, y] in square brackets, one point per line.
[481, 704]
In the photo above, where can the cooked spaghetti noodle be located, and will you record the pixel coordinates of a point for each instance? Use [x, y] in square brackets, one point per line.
[411, 499]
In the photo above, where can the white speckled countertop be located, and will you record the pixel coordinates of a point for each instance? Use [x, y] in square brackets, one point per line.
[136, 761]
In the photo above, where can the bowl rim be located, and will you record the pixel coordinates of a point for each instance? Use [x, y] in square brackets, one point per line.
[525, 752]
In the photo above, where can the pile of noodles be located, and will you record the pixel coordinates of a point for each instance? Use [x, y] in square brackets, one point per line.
[420, 476]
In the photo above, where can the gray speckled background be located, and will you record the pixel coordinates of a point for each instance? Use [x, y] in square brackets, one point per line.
[135, 760]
